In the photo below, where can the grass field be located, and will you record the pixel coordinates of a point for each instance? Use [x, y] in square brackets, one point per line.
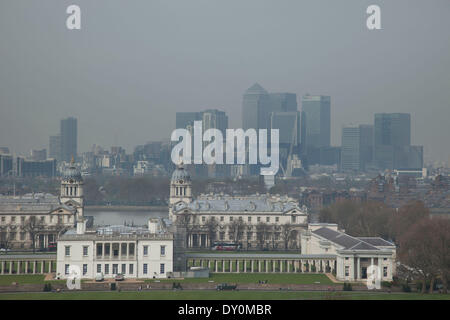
[221, 295]
[6, 280]
[255, 277]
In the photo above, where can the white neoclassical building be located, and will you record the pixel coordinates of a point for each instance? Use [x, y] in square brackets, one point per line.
[41, 216]
[353, 255]
[135, 252]
[253, 211]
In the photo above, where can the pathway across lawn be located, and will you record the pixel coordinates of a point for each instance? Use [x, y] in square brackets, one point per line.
[272, 278]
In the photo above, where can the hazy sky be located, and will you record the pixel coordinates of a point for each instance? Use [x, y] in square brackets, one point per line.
[134, 64]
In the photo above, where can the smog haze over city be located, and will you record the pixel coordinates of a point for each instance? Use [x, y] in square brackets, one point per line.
[131, 67]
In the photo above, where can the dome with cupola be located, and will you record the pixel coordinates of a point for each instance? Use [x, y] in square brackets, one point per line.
[181, 175]
[72, 173]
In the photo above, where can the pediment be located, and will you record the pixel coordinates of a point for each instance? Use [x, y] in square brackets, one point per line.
[62, 210]
[71, 203]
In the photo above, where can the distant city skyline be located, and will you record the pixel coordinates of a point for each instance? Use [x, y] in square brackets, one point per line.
[125, 79]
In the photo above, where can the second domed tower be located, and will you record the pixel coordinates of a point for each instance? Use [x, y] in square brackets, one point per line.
[180, 186]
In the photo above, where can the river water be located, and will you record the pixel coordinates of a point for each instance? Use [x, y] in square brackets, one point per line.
[114, 216]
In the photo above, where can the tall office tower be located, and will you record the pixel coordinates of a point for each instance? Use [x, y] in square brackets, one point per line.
[288, 125]
[317, 118]
[215, 119]
[38, 155]
[283, 102]
[356, 147]
[184, 119]
[256, 107]
[54, 150]
[68, 139]
[392, 129]
[366, 146]
[6, 165]
[392, 137]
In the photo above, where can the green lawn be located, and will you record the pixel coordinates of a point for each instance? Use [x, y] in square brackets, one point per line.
[6, 280]
[255, 277]
[225, 295]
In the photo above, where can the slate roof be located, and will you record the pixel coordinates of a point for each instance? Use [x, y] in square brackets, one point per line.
[239, 205]
[376, 241]
[37, 203]
[349, 242]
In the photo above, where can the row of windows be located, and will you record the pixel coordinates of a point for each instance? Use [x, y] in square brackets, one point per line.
[41, 219]
[249, 219]
[347, 271]
[180, 191]
[162, 250]
[162, 268]
[115, 268]
[12, 236]
[71, 191]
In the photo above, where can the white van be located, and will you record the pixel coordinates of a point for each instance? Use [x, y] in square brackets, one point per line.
[99, 276]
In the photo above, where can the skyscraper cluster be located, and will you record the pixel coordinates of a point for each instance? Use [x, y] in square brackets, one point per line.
[384, 145]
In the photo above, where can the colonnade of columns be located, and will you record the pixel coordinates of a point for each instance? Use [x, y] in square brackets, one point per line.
[27, 266]
[264, 265]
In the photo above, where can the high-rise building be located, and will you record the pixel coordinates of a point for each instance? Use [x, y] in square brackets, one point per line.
[283, 102]
[184, 119]
[256, 107]
[68, 138]
[316, 117]
[31, 168]
[215, 119]
[38, 155]
[54, 150]
[392, 129]
[392, 142]
[6, 165]
[357, 143]
[317, 113]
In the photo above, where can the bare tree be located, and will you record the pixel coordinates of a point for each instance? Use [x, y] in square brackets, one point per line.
[262, 232]
[416, 252]
[286, 234]
[34, 227]
[211, 227]
[236, 230]
[187, 221]
[6, 235]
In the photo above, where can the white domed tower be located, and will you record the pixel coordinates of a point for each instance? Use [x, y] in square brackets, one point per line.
[180, 186]
[72, 190]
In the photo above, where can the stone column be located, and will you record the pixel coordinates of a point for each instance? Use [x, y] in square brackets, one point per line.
[18, 267]
[245, 265]
[10, 267]
[358, 270]
[215, 265]
[223, 265]
[3, 267]
[266, 262]
[251, 261]
[34, 266]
